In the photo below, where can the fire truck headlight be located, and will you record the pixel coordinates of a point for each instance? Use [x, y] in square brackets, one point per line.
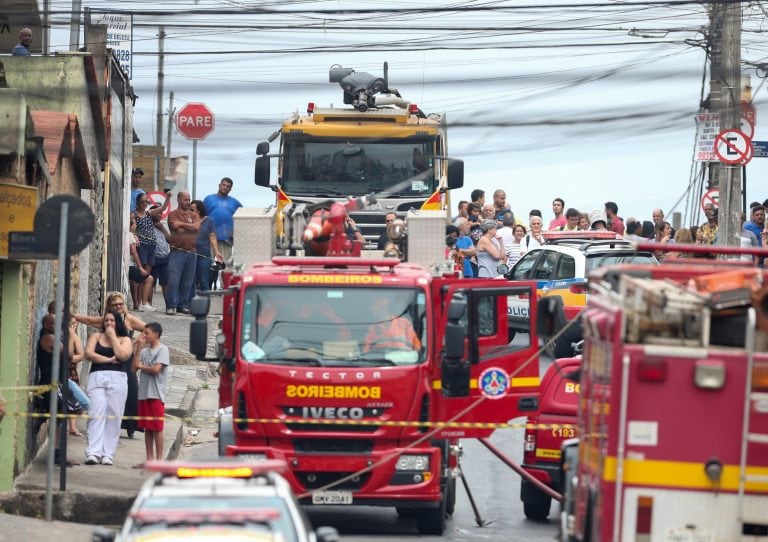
[709, 374]
[413, 462]
[714, 469]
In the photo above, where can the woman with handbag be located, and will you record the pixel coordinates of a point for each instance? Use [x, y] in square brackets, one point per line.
[107, 387]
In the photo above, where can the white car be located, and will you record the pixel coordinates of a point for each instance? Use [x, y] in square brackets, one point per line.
[560, 268]
[217, 500]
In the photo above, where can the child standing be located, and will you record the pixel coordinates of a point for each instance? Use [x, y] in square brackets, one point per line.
[152, 358]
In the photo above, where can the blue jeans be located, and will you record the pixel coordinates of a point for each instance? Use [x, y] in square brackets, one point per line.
[78, 394]
[202, 272]
[181, 276]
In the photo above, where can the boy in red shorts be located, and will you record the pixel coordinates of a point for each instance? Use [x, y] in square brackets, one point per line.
[151, 357]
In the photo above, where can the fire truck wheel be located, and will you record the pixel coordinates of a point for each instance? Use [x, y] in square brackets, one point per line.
[226, 431]
[537, 511]
[450, 496]
[432, 520]
[561, 348]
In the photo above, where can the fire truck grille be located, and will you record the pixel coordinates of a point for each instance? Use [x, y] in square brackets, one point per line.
[332, 446]
[335, 428]
[314, 480]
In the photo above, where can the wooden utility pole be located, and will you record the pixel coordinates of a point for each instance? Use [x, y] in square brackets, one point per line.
[729, 213]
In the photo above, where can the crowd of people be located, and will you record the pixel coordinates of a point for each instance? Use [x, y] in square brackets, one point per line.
[484, 235]
[182, 256]
[126, 379]
[127, 376]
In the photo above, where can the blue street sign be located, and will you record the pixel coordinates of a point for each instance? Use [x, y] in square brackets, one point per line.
[760, 149]
[23, 245]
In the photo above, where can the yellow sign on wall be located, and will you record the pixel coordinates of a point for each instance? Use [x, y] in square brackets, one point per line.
[18, 204]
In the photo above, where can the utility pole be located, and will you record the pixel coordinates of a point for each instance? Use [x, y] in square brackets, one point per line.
[74, 26]
[46, 24]
[729, 212]
[159, 129]
[168, 139]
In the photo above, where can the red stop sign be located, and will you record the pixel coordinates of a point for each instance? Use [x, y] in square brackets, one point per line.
[195, 120]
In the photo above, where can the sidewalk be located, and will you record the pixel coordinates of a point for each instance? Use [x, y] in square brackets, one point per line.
[98, 494]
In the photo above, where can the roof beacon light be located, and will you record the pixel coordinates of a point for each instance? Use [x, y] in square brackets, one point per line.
[580, 234]
[310, 108]
[413, 109]
[216, 469]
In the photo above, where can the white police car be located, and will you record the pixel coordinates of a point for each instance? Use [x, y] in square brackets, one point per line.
[560, 268]
[218, 500]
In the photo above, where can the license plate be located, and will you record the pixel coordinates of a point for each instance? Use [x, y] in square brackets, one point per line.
[332, 497]
[689, 535]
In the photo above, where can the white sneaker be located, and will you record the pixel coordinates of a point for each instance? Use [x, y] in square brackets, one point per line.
[91, 460]
[147, 307]
[107, 461]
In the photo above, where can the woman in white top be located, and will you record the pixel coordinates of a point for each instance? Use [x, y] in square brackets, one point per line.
[534, 238]
[490, 251]
[513, 248]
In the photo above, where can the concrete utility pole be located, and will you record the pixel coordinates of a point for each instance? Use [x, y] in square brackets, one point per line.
[168, 139]
[160, 78]
[74, 26]
[729, 229]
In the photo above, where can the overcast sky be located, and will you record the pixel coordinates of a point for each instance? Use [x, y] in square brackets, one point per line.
[586, 101]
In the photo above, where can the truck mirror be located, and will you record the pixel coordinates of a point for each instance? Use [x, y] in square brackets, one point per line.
[261, 174]
[456, 309]
[454, 371]
[198, 337]
[455, 173]
[502, 269]
[200, 305]
[454, 341]
[262, 148]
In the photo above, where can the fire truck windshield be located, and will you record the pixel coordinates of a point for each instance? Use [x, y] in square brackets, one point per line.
[396, 167]
[338, 326]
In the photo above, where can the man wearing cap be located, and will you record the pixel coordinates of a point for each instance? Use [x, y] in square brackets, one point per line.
[136, 177]
[598, 220]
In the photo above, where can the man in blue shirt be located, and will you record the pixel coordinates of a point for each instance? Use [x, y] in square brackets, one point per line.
[221, 208]
[25, 40]
[757, 224]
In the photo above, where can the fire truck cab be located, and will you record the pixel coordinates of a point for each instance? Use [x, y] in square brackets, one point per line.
[380, 144]
[362, 373]
[673, 411]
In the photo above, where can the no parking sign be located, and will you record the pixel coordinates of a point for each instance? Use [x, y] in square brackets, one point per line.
[711, 196]
[733, 147]
[158, 198]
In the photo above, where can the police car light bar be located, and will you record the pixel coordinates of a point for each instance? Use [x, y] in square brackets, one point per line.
[584, 235]
[216, 469]
[195, 517]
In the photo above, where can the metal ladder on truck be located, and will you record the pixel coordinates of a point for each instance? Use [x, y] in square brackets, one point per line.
[752, 527]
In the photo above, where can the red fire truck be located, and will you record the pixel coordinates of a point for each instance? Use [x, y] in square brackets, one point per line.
[673, 414]
[363, 372]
